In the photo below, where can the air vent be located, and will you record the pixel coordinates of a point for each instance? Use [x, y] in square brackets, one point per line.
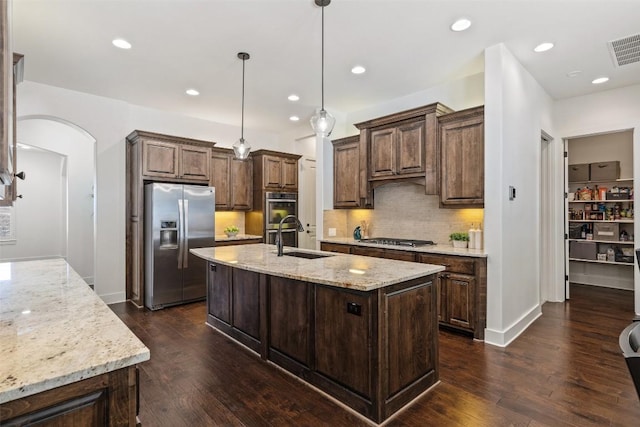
[626, 50]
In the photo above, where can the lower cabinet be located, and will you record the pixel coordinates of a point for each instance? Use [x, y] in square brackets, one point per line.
[374, 351]
[233, 300]
[108, 399]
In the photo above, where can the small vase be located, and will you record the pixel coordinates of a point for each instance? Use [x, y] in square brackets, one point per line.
[231, 233]
[460, 243]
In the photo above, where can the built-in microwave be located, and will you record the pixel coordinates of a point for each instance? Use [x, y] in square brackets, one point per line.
[277, 207]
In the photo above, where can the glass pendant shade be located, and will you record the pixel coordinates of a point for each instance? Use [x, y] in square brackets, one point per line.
[322, 123]
[241, 149]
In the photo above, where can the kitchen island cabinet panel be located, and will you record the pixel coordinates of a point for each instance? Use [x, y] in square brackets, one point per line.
[245, 302]
[343, 339]
[219, 292]
[290, 309]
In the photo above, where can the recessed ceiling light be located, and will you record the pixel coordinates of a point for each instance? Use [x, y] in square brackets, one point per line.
[572, 74]
[600, 80]
[192, 92]
[121, 43]
[294, 118]
[461, 24]
[358, 69]
[543, 47]
[293, 97]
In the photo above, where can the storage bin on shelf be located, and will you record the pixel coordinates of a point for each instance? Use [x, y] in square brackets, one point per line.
[583, 250]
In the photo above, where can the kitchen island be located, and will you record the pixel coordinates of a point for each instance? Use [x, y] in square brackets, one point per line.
[65, 358]
[361, 329]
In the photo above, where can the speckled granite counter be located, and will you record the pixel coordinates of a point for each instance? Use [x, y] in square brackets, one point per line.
[347, 271]
[430, 249]
[55, 330]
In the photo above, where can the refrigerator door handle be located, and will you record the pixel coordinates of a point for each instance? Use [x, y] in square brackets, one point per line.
[180, 233]
[185, 235]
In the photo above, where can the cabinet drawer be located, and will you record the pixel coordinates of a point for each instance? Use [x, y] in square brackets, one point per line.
[335, 247]
[452, 264]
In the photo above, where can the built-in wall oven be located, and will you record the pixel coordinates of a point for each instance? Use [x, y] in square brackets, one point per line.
[278, 206]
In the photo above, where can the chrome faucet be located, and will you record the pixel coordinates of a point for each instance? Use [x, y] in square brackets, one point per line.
[279, 243]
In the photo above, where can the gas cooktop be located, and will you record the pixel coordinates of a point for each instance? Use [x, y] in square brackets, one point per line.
[397, 242]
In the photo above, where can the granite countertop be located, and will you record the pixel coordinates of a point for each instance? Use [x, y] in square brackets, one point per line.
[429, 249]
[225, 238]
[55, 330]
[346, 271]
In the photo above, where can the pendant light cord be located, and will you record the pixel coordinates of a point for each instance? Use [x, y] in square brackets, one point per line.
[242, 119]
[322, 72]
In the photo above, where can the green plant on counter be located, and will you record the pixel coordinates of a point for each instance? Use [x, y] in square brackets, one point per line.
[464, 237]
[231, 229]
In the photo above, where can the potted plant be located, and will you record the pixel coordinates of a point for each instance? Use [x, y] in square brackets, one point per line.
[231, 230]
[460, 240]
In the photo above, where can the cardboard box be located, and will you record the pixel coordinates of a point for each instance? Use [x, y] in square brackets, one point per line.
[579, 172]
[606, 231]
[604, 171]
[583, 250]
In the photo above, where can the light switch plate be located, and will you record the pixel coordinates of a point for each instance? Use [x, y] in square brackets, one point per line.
[332, 232]
[512, 192]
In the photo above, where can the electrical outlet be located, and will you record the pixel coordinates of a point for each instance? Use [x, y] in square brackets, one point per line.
[332, 232]
[354, 308]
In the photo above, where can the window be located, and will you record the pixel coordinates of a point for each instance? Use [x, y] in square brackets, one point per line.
[7, 224]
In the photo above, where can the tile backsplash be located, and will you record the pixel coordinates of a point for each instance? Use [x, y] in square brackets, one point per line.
[403, 211]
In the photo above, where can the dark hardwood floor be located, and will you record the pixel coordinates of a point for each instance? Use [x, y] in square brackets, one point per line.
[565, 370]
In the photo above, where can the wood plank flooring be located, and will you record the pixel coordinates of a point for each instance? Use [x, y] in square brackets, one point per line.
[565, 370]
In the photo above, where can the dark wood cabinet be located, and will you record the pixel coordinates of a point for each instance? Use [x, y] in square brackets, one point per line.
[343, 339]
[7, 122]
[396, 254]
[462, 292]
[105, 400]
[335, 247]
[403, 147]
[155, 157]
[169, 160]
[290, 310]
[234, 300]
[462, 158]
[233, 180]
[275, 171]
[346, 174]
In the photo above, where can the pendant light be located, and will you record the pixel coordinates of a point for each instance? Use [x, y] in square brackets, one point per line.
[322, 122]
[241, 148]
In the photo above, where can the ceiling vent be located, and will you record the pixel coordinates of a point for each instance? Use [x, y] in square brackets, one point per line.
[626, 50]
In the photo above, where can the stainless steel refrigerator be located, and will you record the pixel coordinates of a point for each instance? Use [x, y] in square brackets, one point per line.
[177, 218]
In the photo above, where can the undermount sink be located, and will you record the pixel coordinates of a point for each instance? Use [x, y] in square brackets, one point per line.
[306, 255]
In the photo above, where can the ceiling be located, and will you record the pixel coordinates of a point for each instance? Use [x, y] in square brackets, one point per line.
[405, 45]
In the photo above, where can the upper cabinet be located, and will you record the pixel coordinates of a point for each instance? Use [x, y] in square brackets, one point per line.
[233, 180]
[348, 174]
[172, 158]
[275, 171]
[402, 147]
[462, 158]
[10, 192]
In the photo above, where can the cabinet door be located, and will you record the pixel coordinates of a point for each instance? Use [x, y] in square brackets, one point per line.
[219, 292]
[343, 340]
[195, 163]
[460, 293]
[346, 175]
[366, 251]
[271, 172]
[245, 302]
[410, 146]
[241, 185]
[462, 161]
[383, 153]
[290, 303]
[220, 174]
[159, 159]
[289, 175]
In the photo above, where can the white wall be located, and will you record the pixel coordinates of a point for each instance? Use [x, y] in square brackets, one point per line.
[39, 214]
[109, 121]
[608, 111]
[78, 149]
[517, 109]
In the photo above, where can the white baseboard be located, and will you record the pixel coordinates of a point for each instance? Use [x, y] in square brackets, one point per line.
[504, 338]
[114, 298]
